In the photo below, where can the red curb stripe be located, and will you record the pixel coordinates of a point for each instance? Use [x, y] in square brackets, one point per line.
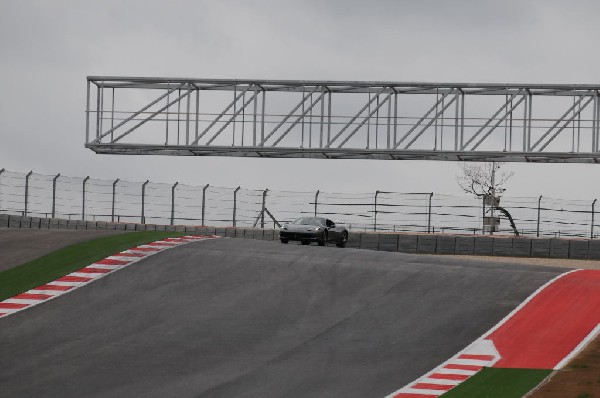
[477, 357]
[431, 386]
[145, 249]
[123, 254]
[2, 313]
[447, 376]
[550, 326]
[53, 287]
[411, 395]
[92, 270]
[32, 296]
[160, 244]
[475, 368]
[109, 261]
[13, 306]
[70, 278]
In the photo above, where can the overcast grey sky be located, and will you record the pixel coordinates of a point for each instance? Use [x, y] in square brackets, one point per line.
[47, 48]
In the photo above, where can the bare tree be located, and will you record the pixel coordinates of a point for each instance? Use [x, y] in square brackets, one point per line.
[481, 179]
[484, 180]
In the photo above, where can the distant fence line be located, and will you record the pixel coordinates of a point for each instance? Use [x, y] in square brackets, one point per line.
[85, 198]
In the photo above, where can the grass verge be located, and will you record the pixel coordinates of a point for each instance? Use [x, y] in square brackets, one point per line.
[499, 383]
[64, 261]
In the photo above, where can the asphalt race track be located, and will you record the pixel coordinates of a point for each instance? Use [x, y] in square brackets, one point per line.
[245, 318]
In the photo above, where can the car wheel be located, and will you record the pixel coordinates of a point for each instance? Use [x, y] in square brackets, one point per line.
[305, 242]
[323, 240]
[285, 240]
[344, 240]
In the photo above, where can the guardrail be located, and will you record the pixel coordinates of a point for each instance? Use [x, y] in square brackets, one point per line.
[580, 249]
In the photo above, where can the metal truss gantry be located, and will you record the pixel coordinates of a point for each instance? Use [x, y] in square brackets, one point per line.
[343, 120]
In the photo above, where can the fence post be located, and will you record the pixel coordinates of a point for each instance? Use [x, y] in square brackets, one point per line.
[264, 206]
[316, 199]
[539, 212]
[429, 214]
[114, 194]
[54, 195]
[173, 202]
[27, 192]
[83, 198]
[235, 205]
[143, 218]
[204, 202]
[483, 215]
[1, 171]
[592, 226]
[375, 219]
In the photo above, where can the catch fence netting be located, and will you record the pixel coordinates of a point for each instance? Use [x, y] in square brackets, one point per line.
[117, 200]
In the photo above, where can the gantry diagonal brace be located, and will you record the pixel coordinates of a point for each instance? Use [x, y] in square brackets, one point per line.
[154, 114]
[381, 103]
[235, 100]
[498, 122]
[566, 123]
[232, 118]
[285, 119]
[302, 116]
[425, 116]
[136, 114]
[355, 117]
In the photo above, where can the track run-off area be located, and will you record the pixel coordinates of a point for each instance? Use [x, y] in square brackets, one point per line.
[245, 318]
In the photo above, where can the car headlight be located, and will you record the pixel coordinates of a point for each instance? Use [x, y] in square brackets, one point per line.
[318, 229]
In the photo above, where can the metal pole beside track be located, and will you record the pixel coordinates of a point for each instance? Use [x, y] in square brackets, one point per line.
[538, 218]
[1, 171]
[204, 202]
[54, 181]
[143, 217]
[27, 192]
[264, 206]
[593, 213]
[429, 214]
[235, 205]
[375, 213]
[114, 194]
[316, 201]
[173, 202]
[85, 180]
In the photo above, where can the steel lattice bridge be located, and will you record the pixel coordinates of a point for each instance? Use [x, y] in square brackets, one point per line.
[343, 120]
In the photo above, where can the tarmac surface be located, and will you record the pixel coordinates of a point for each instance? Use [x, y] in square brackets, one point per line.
[19, 246]
[247, 318]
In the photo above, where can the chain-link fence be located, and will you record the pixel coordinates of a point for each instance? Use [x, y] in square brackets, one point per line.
[59, 196]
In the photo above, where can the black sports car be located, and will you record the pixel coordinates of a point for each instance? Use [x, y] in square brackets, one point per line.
[314, 229]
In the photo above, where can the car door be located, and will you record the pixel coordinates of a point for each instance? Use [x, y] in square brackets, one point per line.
[333, 234]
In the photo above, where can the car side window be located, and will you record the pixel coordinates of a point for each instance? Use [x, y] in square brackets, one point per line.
[330, 223]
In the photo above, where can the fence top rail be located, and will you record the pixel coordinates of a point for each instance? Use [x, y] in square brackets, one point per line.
[335, 85]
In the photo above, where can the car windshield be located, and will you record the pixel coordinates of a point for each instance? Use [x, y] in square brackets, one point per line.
[309, 221]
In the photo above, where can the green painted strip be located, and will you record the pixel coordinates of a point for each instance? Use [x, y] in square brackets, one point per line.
[499, 383]
[64, 261]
